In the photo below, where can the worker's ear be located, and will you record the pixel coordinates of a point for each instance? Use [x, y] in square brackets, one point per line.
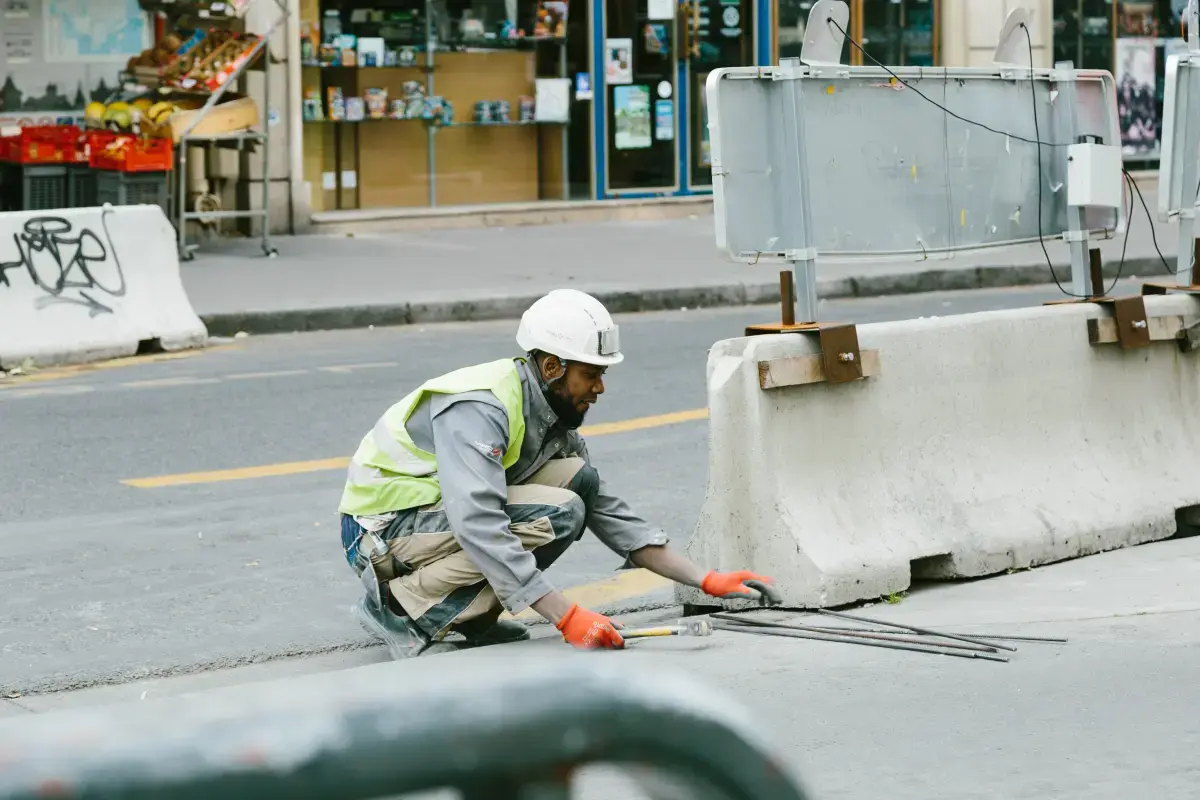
[552, 368]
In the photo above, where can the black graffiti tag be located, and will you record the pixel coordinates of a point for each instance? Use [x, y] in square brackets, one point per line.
[69, 266]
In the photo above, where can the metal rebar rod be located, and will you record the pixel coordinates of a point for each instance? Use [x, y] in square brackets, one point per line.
[821, 637]
[1050, 640]
[881, 635]
[912, 628]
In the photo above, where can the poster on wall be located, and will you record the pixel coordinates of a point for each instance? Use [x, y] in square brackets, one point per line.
[664, 120]
[631, 111]
[618, 61]
[56, 56]
[1136, 105]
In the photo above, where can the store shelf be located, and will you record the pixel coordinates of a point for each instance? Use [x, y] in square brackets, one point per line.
[356, 67]
[497, 124]
[182, 16]
[364, 121]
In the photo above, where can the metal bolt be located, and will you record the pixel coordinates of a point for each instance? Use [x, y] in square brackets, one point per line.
[845, 357]
[1138, 324]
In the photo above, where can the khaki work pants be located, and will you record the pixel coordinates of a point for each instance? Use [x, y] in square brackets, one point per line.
[444, 586]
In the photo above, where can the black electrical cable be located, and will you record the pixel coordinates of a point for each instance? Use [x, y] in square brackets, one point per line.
[1037, 140]
[1153, 235]
[1037, 135]
[931, 101]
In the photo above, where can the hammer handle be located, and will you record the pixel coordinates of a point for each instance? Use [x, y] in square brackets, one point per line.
[645, 633]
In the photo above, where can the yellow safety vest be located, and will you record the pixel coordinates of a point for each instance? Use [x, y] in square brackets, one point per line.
[390, 473]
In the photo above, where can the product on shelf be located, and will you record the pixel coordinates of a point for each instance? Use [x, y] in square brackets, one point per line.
[414, 100]
[355, 109]
[493, 112]
[377, 103]
[313, 108]
[337, 104]
[527, 108]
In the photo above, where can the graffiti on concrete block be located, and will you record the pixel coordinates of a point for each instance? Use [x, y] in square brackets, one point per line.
[69, 265]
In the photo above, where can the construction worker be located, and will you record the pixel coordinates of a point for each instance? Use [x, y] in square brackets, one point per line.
[472, 485]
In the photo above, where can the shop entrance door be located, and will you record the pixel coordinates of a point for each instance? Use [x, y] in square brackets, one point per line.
[641, 97]
[719, 33]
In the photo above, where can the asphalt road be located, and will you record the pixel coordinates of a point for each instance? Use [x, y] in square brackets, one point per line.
[102, 582]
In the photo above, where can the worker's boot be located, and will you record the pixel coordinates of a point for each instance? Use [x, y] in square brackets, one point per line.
[401, 635]
[489, 629]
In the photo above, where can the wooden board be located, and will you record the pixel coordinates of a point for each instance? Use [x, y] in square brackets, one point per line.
[1104, 330]
[393, 166]
[801, 370]
[550, 155]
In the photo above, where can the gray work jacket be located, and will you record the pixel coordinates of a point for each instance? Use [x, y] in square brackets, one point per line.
[466, 432]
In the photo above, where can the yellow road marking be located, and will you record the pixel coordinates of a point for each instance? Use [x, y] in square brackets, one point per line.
[623, 586]
[162, 383]
[47, 391]
[641, 423]
[62, 373]
[320, 465]
[244, 473]
[342, 368]
[279, 373]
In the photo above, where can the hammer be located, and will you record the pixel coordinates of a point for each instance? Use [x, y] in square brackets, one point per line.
[689, 627]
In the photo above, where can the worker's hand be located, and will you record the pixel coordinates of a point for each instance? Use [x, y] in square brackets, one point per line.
[741, 585]
[588, 630]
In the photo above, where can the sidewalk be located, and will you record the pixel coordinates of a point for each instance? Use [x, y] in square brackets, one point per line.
[325, 282]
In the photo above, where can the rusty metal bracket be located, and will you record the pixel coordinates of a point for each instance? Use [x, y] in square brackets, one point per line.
[840, 361]
[1129, 319]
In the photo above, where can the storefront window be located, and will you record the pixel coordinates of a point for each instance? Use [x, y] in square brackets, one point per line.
[479, 115]
[894, 32]
[1133, 39]
[793, 15]
[898, 32]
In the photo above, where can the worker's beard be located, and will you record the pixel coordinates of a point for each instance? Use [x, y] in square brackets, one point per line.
[564, 407]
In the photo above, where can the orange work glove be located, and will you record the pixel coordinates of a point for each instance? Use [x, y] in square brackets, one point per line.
[742, 584]
[588, 630]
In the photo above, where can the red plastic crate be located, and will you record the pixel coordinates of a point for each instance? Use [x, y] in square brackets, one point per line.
[40, 144]
[138, 154]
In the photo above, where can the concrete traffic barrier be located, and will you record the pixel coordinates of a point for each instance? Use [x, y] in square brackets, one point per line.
[980, 443]
[90, 283]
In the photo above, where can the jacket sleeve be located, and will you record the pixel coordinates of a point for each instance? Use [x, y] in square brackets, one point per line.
[611, 518]
[470, 438]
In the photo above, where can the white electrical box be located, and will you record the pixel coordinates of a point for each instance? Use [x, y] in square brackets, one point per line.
[1094, 175]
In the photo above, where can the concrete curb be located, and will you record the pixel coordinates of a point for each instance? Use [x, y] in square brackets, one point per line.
[713, 296]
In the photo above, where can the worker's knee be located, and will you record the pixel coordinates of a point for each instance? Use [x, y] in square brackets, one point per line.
[570, 518]
[586, 484]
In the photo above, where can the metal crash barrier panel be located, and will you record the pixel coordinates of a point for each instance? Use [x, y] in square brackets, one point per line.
[512, 728]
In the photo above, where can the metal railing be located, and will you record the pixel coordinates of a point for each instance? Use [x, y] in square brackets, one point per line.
[507, 729]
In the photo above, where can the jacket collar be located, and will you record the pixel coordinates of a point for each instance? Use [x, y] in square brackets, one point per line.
[536, 405]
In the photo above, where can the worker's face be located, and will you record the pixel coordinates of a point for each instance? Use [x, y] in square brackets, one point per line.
[574, 392]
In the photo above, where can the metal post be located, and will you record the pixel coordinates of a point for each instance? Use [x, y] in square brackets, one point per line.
[181, 169]
[787, 298]
[1184, 273]
[266, 150]
[431, 126]
[1187, 206]
[804, 261]
[1077, 230]
[1096, 271]
[566, 160]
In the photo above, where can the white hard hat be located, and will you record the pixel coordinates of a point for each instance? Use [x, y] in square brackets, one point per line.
[573, 326]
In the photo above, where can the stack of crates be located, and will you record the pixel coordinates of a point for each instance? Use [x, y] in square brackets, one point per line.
[34, 166]
[132, 170]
